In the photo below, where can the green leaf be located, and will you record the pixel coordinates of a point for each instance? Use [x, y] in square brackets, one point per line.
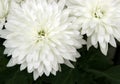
[72, 76]
[94, 59]
[109, 76]
[18, 78]
[114, 74]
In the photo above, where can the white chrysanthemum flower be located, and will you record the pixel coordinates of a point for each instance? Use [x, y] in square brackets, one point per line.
[4, 7]
[99, 20]
[40, 37]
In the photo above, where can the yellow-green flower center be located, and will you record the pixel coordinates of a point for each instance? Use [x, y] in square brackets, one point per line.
[41, 33]
[98, 13]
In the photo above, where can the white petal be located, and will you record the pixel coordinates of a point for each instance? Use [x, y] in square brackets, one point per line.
[88, 43]
[112, 41]
[61, 4]
[35, 75]
[93, 39]
[11, 63]
[104, 50]
[30, 67]
[69, 64]
[23, 66]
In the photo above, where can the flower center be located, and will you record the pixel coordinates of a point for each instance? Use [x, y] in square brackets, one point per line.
[98, 13]
[41, 34]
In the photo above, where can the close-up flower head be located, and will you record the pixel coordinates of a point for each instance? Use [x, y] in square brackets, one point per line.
[99, 20]
[4, 8]
[40, 37]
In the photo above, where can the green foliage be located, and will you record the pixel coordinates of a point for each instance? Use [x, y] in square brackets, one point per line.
[91, 68]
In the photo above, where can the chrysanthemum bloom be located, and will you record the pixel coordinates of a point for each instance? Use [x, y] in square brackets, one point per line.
[4, 6]
[40, 37]
[99, 20]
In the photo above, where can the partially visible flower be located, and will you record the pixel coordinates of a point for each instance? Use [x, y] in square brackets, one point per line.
[21, 1]
[99, 20]
[4, 7]
[18, 1]
[40, 37]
